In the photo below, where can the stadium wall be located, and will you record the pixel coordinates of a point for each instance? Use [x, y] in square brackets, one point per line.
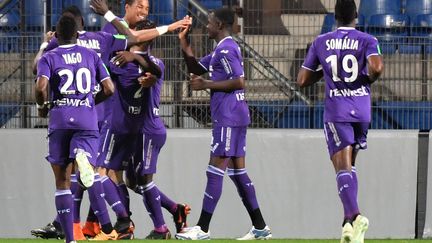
[291, 170]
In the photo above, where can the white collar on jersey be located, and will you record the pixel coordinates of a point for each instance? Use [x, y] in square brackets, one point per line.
[228, 37]
[81, 32]
[346, 28]
[67, 46]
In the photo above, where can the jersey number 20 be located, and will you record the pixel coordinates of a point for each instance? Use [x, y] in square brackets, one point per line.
[82, 77]
[349, 65]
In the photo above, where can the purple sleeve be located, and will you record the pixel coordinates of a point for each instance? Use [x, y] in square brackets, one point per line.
[372, 47]
[43, 68]
[231, 62]
[52, 44]
[311, 61]
[101, 70]
[115, 42]
[205, 61]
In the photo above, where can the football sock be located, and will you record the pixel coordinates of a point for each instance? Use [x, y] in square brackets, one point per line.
[167, 203]
[246, 190]
[124, 196]
[112, 197]
[354, 176]
[204, 220]
[91, 217]
[346, 190]
[77, 192]
[213, 189]
[63, 202]
[151, 199]
[97, 202]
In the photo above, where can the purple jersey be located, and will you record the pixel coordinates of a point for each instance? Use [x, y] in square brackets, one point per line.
[136, 109]
[153, 124]
[103, 43]
[225, 63]
[73, 73]
[343, 56]
[128, 102]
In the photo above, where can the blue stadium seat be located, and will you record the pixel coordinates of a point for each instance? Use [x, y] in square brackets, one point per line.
[404, 114]
[212, 4]
[92, 21]
[161, 11]
[390, 29]
[9, 31]
[418, 7]
[329, 23]
[368, 8]
[34, 19]
[420, 40]
[7, 111]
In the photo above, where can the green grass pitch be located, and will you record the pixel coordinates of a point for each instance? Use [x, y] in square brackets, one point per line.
[220, 241]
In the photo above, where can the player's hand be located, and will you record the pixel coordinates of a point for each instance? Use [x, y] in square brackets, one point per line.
[147, 80]
[99, 6]
[184, 30]
[48, 36]
[181, 24]
[123, 57]
[197, 82]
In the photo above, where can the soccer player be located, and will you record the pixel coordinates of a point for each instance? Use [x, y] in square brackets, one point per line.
[68, 75]
[230, 118]
[351, 61]
[114, 165]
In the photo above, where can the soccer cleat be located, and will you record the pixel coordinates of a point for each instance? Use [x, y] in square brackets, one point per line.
[347, 233]
[154, 235]
[50, 231]
[125, 230]
[102, 236]
[180, 216]
[86, 169]
[193, 233]
[360, 224]
[77, 232]
[91, 229]
[256, 234]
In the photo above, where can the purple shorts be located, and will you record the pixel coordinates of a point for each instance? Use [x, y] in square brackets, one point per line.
[147, 152]
[342, 134]
[116, 150]
[63, 145]
[228, 142]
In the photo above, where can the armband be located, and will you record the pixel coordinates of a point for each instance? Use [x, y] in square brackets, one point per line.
[43, 46]
[162, 29]
[109, 16]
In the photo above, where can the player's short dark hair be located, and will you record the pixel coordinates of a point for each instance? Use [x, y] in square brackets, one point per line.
[144, 25]
[345, 11]
[74, 10]
[130, 2]
[224, 15]
[66, 27]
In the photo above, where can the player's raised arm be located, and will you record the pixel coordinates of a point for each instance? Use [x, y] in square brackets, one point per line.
[47, 38]
[188, 55]
[100, 7]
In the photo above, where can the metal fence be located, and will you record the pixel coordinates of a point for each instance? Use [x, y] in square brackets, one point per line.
[274, 36]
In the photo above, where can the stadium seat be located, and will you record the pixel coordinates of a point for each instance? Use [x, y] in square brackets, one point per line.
[420, 40]
[368, 8]
[9, 31]
[404, 114]
[92, 21]
[34, 19]
[418, 7]
[329, 23]
[390, 30]
[162, 11]
[212, 4]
